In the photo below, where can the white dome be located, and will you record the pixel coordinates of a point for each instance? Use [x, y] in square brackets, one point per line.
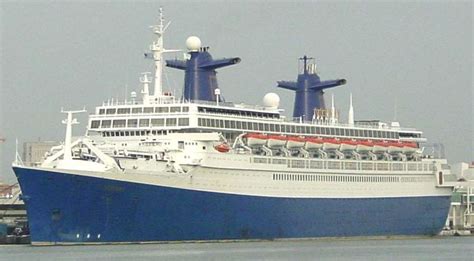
[193, 43]
[271, 100]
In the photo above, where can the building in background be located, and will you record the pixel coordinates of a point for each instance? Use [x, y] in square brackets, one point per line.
[461, 214]
[34, 151]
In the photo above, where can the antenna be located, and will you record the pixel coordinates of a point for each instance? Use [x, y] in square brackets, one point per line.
[351, 112]
[333, 114]
[395, 109]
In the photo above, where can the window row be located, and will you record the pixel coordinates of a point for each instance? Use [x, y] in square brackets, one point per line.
[132, 133]
[137, 110]
[298, 129]
[133, 123]
[239, 112]
[334, 178]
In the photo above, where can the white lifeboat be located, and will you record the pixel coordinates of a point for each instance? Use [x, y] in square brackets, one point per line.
[256, 139]
[294, 142]
[276, 141]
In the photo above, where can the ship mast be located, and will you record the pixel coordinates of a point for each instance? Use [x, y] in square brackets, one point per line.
[157, 49]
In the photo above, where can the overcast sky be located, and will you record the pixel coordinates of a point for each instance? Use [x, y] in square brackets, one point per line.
[416, 57]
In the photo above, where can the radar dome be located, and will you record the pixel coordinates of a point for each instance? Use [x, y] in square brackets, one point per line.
[193, 43]
[271, 100]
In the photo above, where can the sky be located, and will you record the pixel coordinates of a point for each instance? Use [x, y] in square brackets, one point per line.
[409, 61]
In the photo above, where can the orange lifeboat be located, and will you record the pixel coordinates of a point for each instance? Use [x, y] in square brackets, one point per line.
[331, 144]
[223, 147]
[256, 139]
[347, 144]
[409, 146]
[364, 145]
[294, 142]
[276, 141]
[395, 146]
[313, 143]
[379, 146]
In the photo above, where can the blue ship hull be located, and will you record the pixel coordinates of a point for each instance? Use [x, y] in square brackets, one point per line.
[64, 208]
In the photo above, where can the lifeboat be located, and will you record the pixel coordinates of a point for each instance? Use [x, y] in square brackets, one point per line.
[276, 141]
[409, 147]
[331, 144]
[364, 146]
[347, 144]
[379, 146]
[313, 143]
[395, 147]
[294, 142]
[223, 147]
[256, 139]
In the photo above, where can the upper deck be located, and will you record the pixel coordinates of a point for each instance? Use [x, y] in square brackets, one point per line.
[125, 118]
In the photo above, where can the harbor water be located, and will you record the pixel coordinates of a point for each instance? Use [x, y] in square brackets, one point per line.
[435, 248]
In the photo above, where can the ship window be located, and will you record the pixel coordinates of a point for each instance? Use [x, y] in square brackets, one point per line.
[132, 123]
[118, 123]
[102, 111]
[232, 124]
[254, 126]
[164, 109]
[142, 133]
[110, 111]
[371, 133]
[144, 122]
[227, 124]
[293, 129]
[123, 110]
[183, 122]
[351, 132]
[117, 133]
[244, 125]
[175, 109]
[112, 134]
[95, 124]
[366, 133]
[158, 122]
[137, 110]
[105, 124]
[260, 126]
[171, 122]
[238, 125]
[148, 110]
[185, 109]
[346, 132]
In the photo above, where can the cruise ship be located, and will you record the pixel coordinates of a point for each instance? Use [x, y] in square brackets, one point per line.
[196, 167]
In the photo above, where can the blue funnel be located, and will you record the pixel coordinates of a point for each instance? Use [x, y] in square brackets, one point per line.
[200, 79]
[309, 90]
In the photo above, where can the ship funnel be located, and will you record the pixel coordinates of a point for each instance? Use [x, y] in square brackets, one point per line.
[200, 77]
[309, 89]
